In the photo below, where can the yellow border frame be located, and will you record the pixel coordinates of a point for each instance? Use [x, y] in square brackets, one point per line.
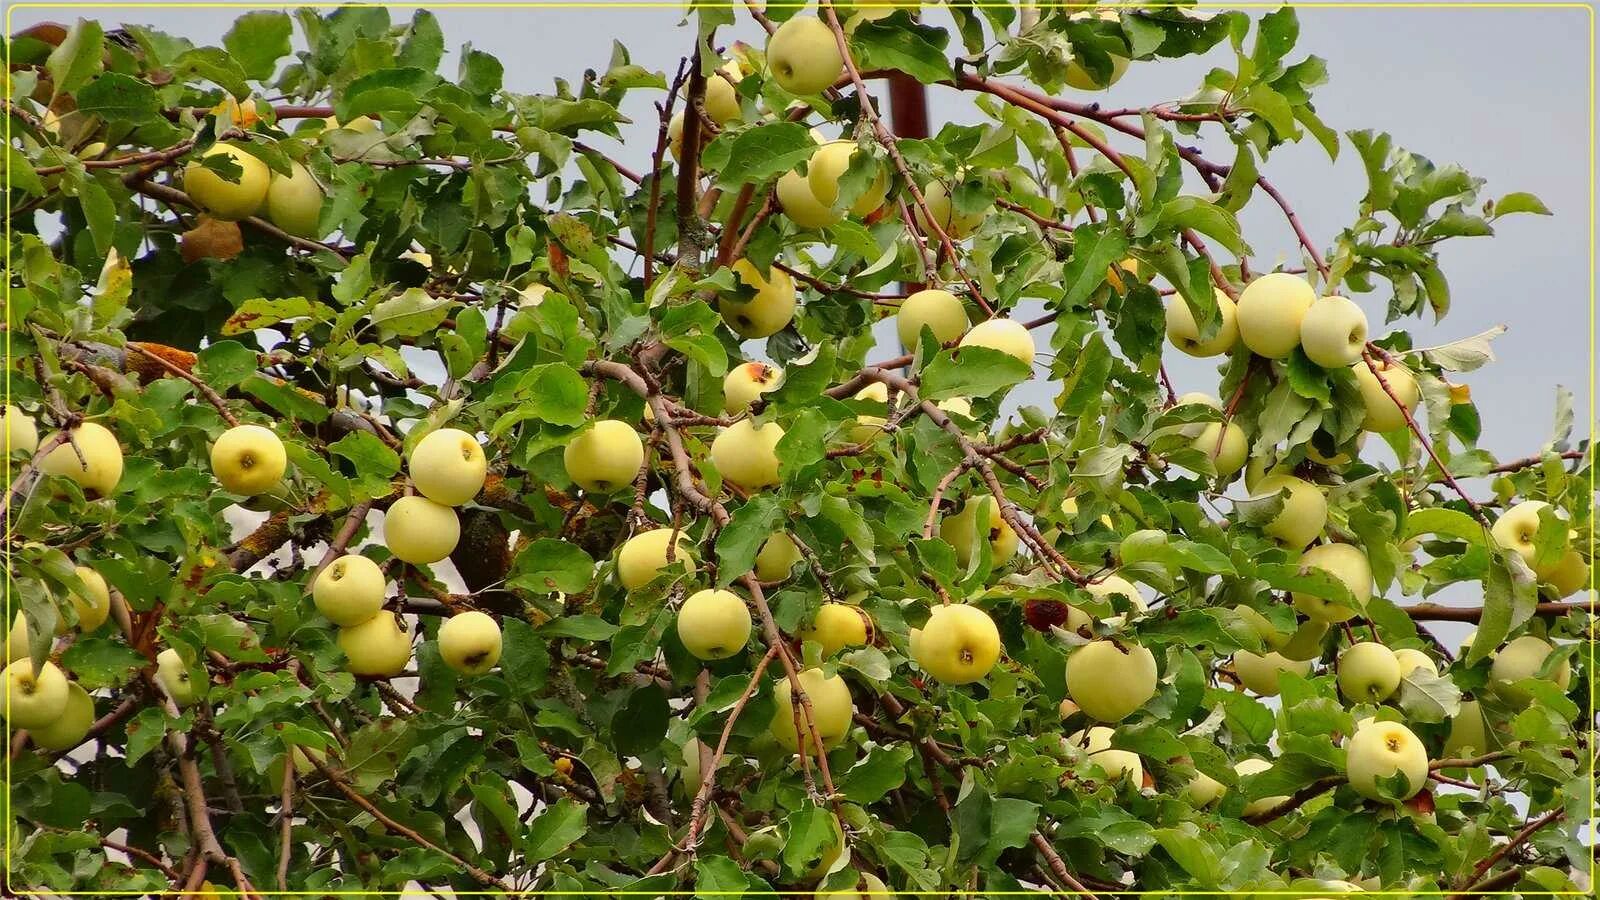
[1592, 824]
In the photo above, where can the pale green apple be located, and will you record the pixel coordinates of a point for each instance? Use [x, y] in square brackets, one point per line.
[1383, 414]
[869, 428]
[95, 607]
[469, 642]
[173, 674]
[33, 701]
[223, 198]
[936, 309]
[958, 645]
[958, 531]
[248, 460]
[1333, 332]
[1346, 563]
[1258, 673]
[1096, 742]
[1523, 658]
[349, 590]
[777, 557]
[97, 469]
[1469, 733]
[1269, 313]
[448, 466]
[644, 555]
[1517, 529]
[1380, 750]
[604, 457]
[71, 727]
[1304, 514]
[1006, 335]
[1412, 659]
[801, 206]
[294, 202]
[828, 165]
[1569, 575]
[420, 531]
[831, 705]
[714, 624]
[22, 435]
[379, 647]
[1368, 673]
[837, 626]
[769, 311]
[1111, 679]
[747, 455]
[746, 382]
[1225, 444]
[956, 225]
[803, 55]
[1254, 766]
[1184, 332]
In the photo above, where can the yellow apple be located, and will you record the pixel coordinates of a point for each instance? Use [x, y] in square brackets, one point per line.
[1333, 332]
[360, 124]
[294, 202]
[71, 727]
[745, 383]
[469, 642]
[1253, 766]
[955, 225]
[837, 626]
[692, 777]
[868, 428]
[958, 645]
[747, 455]
[1184, 332]
[1523, 658]
[1518, 529]
[1109, 680]
[420, 531]
[1096, 742]
[604, 457]
[801, 206]
[1115, 585]
[225, 199]
[958, 531]
[803, 55]
[1569, 575]
[1469, 734]
[248, 460]
[830, 702]
[956, 406]
[1081, 78]
[173, 674]
[1258, 673]
[644, 555]
[714, 624]
[1368, 673]
[94, 608]
[448, 466]
[722, 98]
[1382, 413]
[828, 165]
[349, 590]
[30, 701]
[769, 311]
[777, 557]
[1270, 311]
[1346, 563]
[1411, 659]
[380, 646]
[937, 309]
[1203, 790]
[17, 638]
[1225, 444]
[1380, 750]
[22, 435]
[100, 466]
[675, 135]
[1305, 510]
[1006, 335]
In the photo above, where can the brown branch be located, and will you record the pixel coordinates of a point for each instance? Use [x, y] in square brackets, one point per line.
[1530, 461]
[206, 391]
[1301, 797]
[1434, 612]
[697, 811]
[1517, 840]
[1057, 867]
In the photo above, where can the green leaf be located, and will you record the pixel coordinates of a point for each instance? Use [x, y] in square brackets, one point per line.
[117, 98]
[145, 731]
[1518, 202]
[971, 372]
[77, 58]
[413, 312]
[1192, 850]
[1095, 248]
[917, 50]
[1446, 522]
[20, 175]
[224, 364]
[555, 829]
[583, 628]
[741, 539]
[525, 662]
[212, 64]
[102, 662]
[641, 723]
[1206, 217]
[549, 564]
[756, 154]
[257, 41]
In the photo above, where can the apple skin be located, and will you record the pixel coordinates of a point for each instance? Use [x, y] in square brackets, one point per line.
[1305, 510]
[1522, 658]
[1379, 750]
[958, 645]
[1469, 733]
[830, 702]
[769, 311]
[837, 626]
[937, 309]
[420, 531]
[1368, 673]
[956, 225]
[469, 642]
[17, 638]
[828, 164]
[604, 457]
[1382, 414]
[1096, 743]
[804, 57]
[1412, 659]
[350, 590]
[714, 624]
[29, 701]
[173, 674]
[1110, 680]
[223, 199]
[1269, 313]
[1082, 79]
[448, 466]
[801, 206]
[722, 98]
[101, 466]
[644, 555]
[248, 460]
[1203, 790]
[1333, 332]
[71, 727]
[1225, 444]
[378, 647]
[745, 383]
[1184, 332]
[22, 435]
[957, 531]
[1106, 588]
[1006, 335]
[777, 557]
[1569, 575]
[1253, 766]
[747, 455]
[1349, 565]
[1258, 673]
[1518, 529]
[294, 202]
[94, 609]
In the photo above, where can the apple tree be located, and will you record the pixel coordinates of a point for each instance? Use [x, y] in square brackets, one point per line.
[412, 484]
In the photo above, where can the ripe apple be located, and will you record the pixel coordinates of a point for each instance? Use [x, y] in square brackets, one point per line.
[958, 531]
[17, 638]
[1333, 332]
[1115, 585]
[937, 309]
[828, 165]
[830, 702]
[958, 645]
[714, 624]
[22, 435]
[30, 701]
[469, 642]
[1382, 413]
[956, 225]
[1523, 658]
[868, 428]
[1110, 679]
[1469, 733]
[1225, 444]
[380, 646]
[173, 674]
[448, 466]
[745, 383]
[349, 590]
[248, 460]
[1305, 510]
[747, 454]
[837, 626]
[1203, 790]
[100, 467]
[769, 311]
[1368, 673]
[830, 854]
[777, 557]
[675, 135]
[803, 55]
[1379, 750]
[644, 555]
[1258, 673]
[224, 199]
[94, 608]
[1412, 659]
[1006, 335]
[1096, 742]
[420, 531]
[604, 457]
[1518, 529]
[1346, 563]
[692, 778]
[294, 202]
[1569, 575]
[956, 406]
[801, 206]
[1254, 766]
[1270, 311]
[1081, 78]
[1184, 332]
[71, 727]
[722, 98]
